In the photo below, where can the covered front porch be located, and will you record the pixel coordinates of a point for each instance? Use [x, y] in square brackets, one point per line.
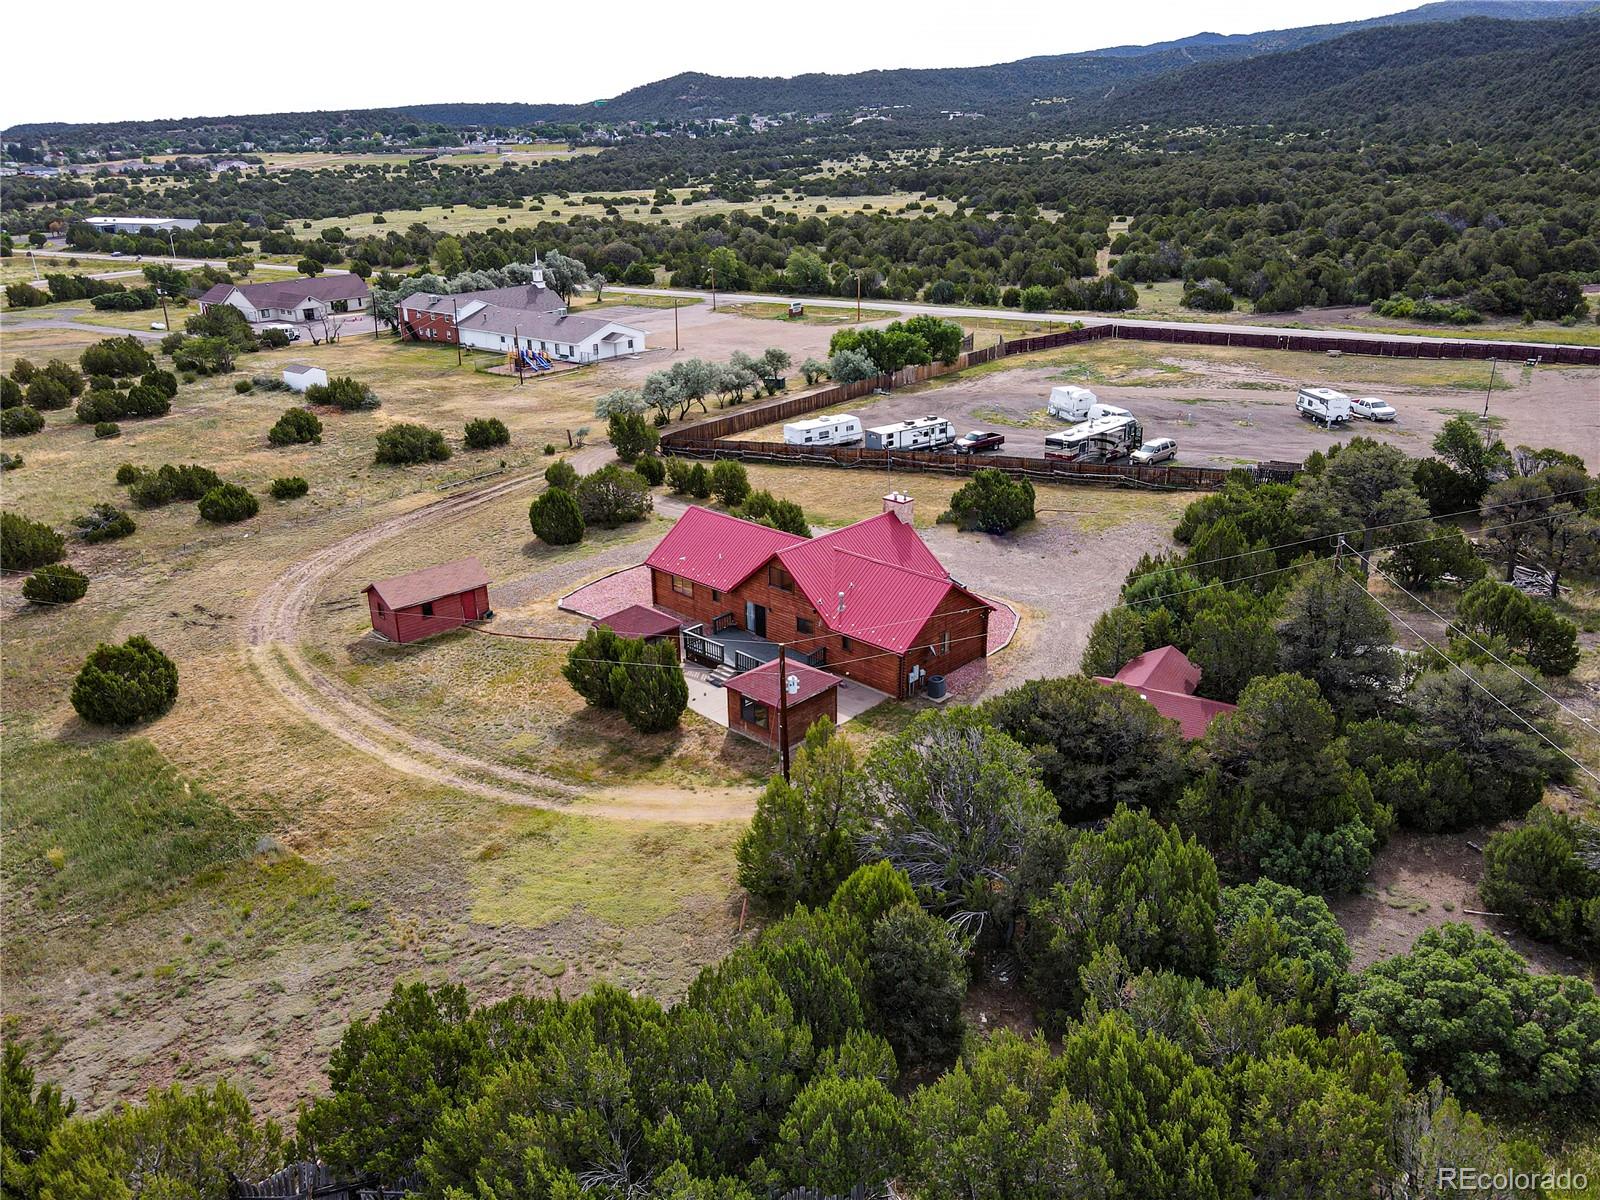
[732, 650]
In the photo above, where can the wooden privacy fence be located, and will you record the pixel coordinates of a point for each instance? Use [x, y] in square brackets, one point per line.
[710, 438]
[934, 463]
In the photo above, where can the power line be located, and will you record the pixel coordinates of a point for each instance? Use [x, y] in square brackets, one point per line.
[1468, 635]
[1474, 680]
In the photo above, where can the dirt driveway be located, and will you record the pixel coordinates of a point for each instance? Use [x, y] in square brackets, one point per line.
[1229, 413]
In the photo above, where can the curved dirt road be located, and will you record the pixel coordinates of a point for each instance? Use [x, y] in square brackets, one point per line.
[272, 632]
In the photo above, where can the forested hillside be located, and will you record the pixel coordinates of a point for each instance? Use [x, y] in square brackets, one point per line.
[1060, 88]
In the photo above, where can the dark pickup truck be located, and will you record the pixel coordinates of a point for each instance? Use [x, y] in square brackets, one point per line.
[978, 441]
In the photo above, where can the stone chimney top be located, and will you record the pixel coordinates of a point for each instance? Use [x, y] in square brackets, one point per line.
[900, 504]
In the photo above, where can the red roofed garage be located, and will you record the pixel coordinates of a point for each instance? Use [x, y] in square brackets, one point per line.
[436, 600]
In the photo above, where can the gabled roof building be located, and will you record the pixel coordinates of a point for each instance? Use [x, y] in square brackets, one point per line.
[1167, 679]
[312, 299]
[870, 601]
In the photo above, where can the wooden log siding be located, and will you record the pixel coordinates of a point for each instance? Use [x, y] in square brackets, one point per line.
[710, 438]
[852, 657]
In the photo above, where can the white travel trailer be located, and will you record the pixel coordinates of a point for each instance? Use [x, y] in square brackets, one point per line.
[919, 433]
[840, 430]
[1323, 405]
[1072, 403]
[1104, 439]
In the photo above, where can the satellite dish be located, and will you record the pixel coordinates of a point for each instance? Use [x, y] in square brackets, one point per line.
[791, 684]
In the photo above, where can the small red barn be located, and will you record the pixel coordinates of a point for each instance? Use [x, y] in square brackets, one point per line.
[411, 607]
[753, 701]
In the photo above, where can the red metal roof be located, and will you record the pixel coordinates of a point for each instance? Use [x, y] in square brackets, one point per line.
[1166, 679]
[430, 583]
[639, 621]
[875, 581]
[717, 550]
[1166, 669]
[761, 683]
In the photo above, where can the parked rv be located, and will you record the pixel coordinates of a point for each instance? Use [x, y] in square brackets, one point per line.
[1072, 403]
[840, 430]
[979, 440]
[919, 433]
[1103, 439]
[1372, 409]
[1323, 405]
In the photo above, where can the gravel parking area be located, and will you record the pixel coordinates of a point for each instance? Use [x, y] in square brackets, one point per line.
[1229, 410]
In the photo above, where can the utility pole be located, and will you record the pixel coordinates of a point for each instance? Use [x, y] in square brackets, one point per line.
[713, 289]
[783, 710]
[165, 320]
[455, 326]
[858, 297]
[674, 324]
[516, 352]
[1487, 433]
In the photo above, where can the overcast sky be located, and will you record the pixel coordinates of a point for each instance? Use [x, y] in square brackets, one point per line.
[95, 60]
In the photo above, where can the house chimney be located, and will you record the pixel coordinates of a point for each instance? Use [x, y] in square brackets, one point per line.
[900, 505]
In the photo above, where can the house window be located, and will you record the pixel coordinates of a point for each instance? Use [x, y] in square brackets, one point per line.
[716, 595]
[779, 578]
[427, 608]
[684, 587]
[802, 624]
[630, 343]
[844, 644]
[752, 712]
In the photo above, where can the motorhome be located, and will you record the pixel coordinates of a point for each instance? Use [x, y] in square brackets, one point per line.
[1103, 439]
[840, 430]
[1323, 405]
[1072, 403]
[919, 433]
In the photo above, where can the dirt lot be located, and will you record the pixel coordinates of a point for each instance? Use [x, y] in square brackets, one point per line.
[1227, 407]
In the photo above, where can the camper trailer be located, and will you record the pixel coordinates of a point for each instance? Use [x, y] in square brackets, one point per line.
[840, 430]
[919, 433]
[1323, 405]
[1104, 439]
[1071, 403]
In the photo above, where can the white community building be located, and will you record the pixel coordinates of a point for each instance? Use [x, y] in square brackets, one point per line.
[527, 320]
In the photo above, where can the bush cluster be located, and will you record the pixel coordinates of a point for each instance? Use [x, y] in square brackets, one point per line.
[297, 426]
[642, 680]
[486, 432]
[56, 583]
[555, 517]
[407, 443]
[289, 487]
[25, 544]
[125, 685]
[344, 393]
[228, 503]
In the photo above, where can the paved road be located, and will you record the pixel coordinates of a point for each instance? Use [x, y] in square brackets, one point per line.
[166, 260]
[1007, 314]
[106, 331]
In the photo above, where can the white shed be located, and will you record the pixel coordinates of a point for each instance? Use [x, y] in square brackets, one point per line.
[300, 376]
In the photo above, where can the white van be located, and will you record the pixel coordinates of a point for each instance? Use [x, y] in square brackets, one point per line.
[1072, 403]
[841, 430]
[1323, 405]
[919, 433]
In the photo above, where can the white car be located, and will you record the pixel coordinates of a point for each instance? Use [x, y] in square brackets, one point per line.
[1372, 409]
[1155, 451]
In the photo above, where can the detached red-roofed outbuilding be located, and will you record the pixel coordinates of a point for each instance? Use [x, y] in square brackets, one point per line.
[418, 605]
[753, 703]
[1167, 679]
